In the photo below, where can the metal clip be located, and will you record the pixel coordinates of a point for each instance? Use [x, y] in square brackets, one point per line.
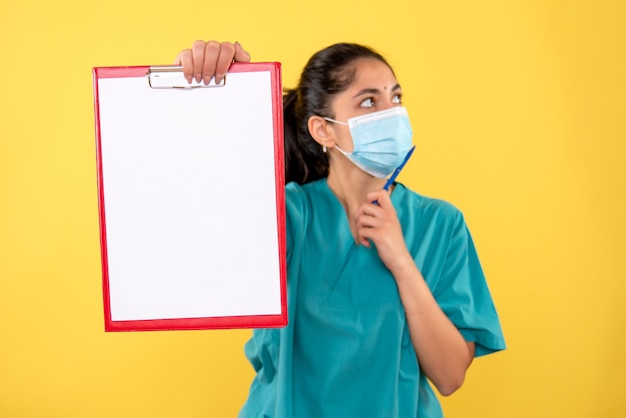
[172, 77]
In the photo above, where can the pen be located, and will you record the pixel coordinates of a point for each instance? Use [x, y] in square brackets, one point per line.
[395, 173]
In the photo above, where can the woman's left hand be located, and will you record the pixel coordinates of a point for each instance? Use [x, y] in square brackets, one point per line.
[379, 223]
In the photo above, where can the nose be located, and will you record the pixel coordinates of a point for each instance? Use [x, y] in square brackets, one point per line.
[387, 101]
[385, 105]
[388, 104]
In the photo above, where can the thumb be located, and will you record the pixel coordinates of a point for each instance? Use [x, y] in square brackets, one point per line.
[240, 54]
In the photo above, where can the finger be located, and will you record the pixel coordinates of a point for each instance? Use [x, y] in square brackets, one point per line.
[240, 54]
[184, 59]
[381, 197]
[367, 221]
[363, 237]
[198, 56]
[226, 56]
[178, 59]
[377, 196]
[369, 209]
[211, 52]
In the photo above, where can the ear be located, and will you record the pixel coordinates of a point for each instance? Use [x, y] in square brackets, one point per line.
[321, 132]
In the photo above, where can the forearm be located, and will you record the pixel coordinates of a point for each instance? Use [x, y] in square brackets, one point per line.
[443, 353]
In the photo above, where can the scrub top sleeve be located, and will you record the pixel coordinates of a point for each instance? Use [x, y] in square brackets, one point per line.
[294, 200]
[463, 295]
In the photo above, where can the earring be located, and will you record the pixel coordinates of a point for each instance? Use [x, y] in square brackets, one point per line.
[324, 149]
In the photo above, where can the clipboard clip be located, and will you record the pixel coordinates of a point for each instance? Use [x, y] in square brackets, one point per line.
[172, 77]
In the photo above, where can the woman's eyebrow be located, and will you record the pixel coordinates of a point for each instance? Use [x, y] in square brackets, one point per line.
[373, 91]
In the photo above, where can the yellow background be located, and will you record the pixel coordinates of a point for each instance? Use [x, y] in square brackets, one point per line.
[519, 112]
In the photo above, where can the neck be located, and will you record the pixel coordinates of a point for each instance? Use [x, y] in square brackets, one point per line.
[351, 185]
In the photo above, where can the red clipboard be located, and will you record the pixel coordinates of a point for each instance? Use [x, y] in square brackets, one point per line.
[191, 198]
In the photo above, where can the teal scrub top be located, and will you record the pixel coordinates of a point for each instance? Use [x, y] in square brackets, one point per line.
[346, 351]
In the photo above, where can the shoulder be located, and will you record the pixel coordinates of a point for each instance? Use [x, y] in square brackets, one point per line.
[416, 206]
[294, 191]
[299, 201]
[294, 188]
[298, 196]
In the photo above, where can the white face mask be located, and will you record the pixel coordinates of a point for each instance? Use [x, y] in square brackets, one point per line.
[380, 140]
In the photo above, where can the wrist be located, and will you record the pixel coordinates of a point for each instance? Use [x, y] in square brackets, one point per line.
[403, 268]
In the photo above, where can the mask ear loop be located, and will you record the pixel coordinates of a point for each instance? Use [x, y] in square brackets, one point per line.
[336, 146]
[324, 148]
[336, 121]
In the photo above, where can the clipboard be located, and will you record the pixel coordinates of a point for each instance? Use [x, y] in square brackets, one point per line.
[191, 198]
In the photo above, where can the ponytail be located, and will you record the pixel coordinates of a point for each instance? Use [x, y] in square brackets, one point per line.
[304, 159]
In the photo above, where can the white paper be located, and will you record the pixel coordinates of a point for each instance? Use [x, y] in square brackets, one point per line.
[191, 219]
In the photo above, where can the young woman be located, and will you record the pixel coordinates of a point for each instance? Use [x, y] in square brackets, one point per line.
[385, 290]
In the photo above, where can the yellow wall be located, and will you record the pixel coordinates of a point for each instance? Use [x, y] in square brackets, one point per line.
[519, 112]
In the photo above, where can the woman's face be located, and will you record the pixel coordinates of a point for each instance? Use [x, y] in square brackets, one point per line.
[374, 88]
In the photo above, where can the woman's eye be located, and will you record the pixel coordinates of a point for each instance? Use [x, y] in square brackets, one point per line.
[397, 99]
[369, 102]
